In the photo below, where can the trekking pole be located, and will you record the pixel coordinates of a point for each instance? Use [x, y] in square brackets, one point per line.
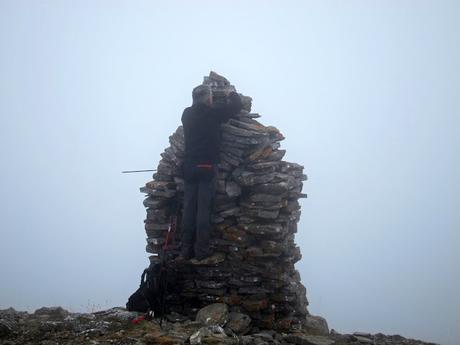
[164, 255]
[136, 171]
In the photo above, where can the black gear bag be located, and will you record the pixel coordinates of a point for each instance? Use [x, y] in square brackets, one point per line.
[148, 297]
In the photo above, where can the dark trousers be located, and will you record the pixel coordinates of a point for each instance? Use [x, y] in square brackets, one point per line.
[199, 190]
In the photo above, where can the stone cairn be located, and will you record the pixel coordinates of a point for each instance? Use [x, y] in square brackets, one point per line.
[255, 219]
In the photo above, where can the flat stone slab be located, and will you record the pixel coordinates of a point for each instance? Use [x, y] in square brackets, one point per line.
[363, 340]
[210, 261]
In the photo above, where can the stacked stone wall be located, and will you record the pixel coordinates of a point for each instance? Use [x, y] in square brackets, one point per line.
[254, 224]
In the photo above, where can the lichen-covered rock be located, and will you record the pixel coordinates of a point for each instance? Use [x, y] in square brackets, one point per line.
[213, 314]
[316, 325]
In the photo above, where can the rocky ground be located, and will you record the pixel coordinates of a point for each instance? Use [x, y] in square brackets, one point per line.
[213, 325]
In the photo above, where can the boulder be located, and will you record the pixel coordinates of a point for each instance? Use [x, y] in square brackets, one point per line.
[52, 313]
[316, 325]
[213, 314]
[118, 314]
[238, 323]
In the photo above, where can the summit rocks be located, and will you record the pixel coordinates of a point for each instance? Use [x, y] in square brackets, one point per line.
[117, 326]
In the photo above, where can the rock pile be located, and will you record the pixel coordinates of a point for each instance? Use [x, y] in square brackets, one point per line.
[255, 217]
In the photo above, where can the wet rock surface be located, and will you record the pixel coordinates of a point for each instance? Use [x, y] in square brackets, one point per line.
[118, 326]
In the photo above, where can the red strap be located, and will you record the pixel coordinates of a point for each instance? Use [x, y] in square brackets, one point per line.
[138, 320]
[206, 166]
[170, 233]
[165, 246]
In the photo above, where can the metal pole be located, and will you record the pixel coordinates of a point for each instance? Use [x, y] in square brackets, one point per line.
[136, 171]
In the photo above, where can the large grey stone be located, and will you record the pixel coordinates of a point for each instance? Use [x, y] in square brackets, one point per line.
[117, 314]
[52, 313]
[316, 325]
[213, 314]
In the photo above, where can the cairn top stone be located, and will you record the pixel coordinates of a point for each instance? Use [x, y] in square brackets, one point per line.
[213, 76]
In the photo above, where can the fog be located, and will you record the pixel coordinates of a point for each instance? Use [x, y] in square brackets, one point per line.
[366, 94]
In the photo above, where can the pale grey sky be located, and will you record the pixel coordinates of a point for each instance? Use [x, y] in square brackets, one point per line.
[366, 93]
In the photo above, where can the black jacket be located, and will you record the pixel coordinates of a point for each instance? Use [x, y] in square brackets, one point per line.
[202, 129]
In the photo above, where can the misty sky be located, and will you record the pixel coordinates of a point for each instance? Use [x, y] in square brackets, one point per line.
[365, 92]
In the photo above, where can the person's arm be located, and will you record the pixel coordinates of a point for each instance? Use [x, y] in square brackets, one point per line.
[233, 107]
[182, 117]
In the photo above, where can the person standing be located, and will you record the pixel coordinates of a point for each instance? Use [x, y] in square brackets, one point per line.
[202, 135]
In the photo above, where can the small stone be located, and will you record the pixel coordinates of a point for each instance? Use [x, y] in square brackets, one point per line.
[196, 337]
[232, 189]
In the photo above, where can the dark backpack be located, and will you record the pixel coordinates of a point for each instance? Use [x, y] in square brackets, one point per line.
[149, 296]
